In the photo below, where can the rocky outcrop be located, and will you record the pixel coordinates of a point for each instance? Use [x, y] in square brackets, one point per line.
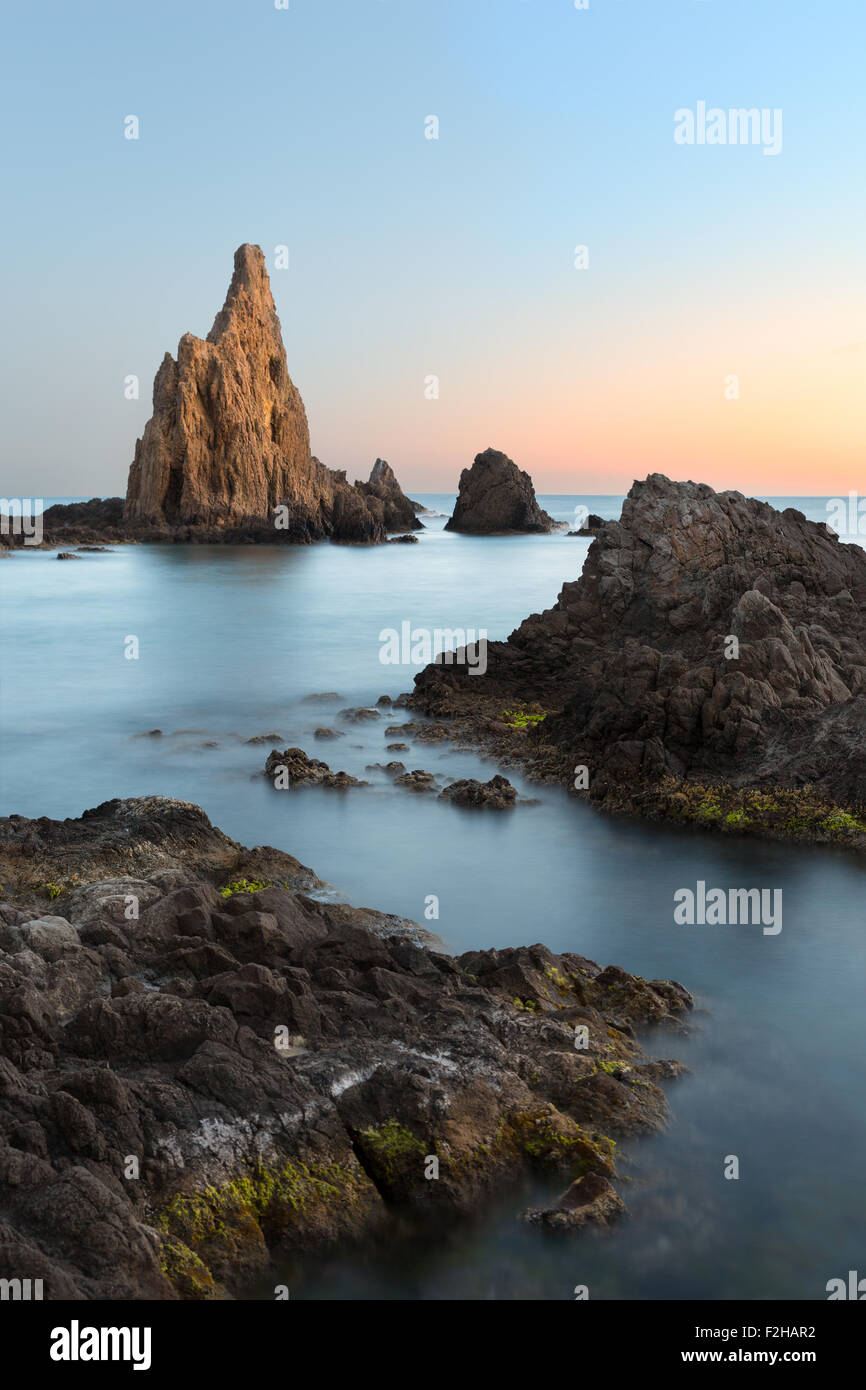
[710, 638]
[590, 1200]
[399, 511]
[590, 527]
[204, 1071]
[225, 456]
[293, 768]
[228, 441]
[495, 495]
[418, 780]
[498, 794]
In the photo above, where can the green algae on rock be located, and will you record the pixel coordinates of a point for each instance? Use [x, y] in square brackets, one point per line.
[190, 1094]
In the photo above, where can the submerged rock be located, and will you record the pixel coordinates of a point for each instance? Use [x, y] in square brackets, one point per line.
[223, 1072]
[591, 1200]
[495, 495]
[417, 781]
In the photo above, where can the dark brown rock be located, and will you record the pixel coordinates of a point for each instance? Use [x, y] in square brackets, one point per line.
[495, 495]
[245, 1047]
[591, 1200]
[359, 714]
[710, 637]
[292, 768]
[416, 781]
[498, 793]
[399, 512]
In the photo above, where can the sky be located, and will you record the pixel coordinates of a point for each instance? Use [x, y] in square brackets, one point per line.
[714, 328]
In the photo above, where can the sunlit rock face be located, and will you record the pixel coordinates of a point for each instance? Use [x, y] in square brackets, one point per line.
[228, 442]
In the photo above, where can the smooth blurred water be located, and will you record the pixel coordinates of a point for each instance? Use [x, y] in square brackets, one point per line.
[231, 641]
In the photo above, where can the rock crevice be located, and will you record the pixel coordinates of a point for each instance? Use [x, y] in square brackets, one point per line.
[205, 1071]
[710, 637]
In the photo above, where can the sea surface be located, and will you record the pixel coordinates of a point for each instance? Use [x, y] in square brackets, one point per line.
[230, 642]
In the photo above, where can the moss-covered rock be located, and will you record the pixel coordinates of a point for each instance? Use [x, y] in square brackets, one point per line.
[394, 1156]
[227, 1231]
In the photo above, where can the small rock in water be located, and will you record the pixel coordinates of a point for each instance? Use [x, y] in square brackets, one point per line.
[323, 732]
[358, 714]
[293, 768]
[67, 555]
[498, 793]
[591, 1200]
[417, 781]
[497, 496]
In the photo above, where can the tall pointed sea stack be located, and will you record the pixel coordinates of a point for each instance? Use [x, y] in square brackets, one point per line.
[228, 434]
[228, 442]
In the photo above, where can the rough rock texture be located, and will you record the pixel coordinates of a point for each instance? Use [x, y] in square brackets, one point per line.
[418, 780]
[293, 768]
[400, 512]
[228, 440]
[228, 444]
[590, 1200]
[591, 526]
[202, 1073]
[630, 664]
[498, 793]
[496, 495]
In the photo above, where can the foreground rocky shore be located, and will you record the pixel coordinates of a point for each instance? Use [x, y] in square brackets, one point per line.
[709, 667]
[204, 1066]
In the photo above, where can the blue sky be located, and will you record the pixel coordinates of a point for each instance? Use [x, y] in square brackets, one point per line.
[452, 257]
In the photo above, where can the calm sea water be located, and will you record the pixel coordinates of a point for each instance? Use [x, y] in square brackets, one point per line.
[231, 640]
